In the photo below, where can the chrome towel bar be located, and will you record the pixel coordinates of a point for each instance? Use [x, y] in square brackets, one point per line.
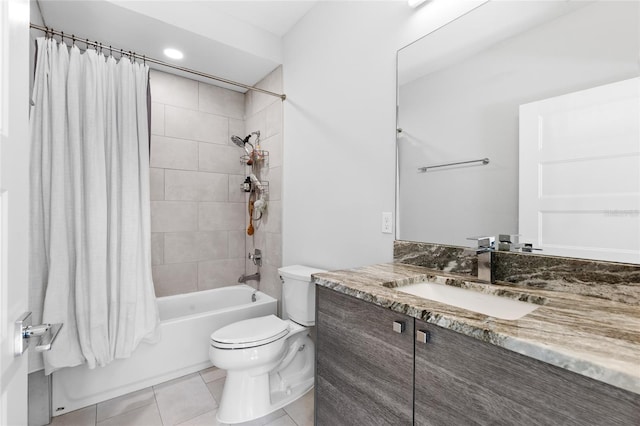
[484, 162]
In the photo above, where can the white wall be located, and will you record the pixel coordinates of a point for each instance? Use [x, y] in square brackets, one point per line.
[339, 127]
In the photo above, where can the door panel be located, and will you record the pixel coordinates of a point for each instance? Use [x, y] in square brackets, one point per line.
[580, 173]
[14, 210]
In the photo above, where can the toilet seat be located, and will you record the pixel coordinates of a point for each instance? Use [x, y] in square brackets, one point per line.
[250, 333]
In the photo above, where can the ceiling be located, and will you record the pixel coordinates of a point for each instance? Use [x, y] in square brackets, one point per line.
[235, 40]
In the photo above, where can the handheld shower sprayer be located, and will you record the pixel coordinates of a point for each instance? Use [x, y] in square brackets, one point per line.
[242, 143]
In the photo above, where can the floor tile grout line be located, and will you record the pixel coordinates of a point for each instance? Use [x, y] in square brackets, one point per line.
[126, 411]
[155, 398]
[196, 416]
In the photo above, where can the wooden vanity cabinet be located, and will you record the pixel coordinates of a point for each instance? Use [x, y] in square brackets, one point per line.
[365, 375]
[460, 380]
[364, 369]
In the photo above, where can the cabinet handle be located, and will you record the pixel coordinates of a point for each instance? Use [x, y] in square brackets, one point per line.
[399, 326]
[423, 336]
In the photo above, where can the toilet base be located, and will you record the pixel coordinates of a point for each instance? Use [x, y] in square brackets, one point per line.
[247, 396]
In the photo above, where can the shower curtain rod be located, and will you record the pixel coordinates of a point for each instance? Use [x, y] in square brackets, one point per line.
[156, 61]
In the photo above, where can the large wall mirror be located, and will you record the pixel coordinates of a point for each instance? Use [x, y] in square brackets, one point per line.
[523, 117]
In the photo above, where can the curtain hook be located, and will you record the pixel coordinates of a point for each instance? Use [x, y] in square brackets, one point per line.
[144, 59]
[86, 43]
[73, 40]
[110, 51]
[61, 36]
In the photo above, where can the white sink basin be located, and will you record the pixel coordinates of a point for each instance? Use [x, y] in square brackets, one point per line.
[487, 304]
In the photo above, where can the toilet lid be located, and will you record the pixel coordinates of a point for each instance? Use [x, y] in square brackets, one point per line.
[250, 332]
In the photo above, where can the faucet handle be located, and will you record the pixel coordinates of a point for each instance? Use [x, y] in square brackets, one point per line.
[528, 248]
[486, 242]
[509, 238]
[508, 242]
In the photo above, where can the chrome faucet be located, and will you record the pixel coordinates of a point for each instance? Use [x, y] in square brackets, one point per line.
[253, 277]
[485, 251]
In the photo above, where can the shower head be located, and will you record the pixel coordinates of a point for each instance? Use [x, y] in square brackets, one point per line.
[242, 142]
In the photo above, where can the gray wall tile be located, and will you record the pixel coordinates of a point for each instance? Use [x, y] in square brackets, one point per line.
[275, 183]
[195, 125]
[157, 248]
[180, 247]
[225, 102]
[175, 278]
[255, 122]
[236, 195]
[173, 216]
[270, 283]
[173, 90]
[213, 186]
[222, 216]
[236, 127]
[219, 273]
[272, 221]
[237, 245]
[157, 118]
[274, 146]
[196, 186]
[273, 250]
[213, 245]
[273, 124]
[170, 153]
[156, 177]
[220, 159]
[199, 213]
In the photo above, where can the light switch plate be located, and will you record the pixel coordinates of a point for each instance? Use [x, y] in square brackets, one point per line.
[387, 222]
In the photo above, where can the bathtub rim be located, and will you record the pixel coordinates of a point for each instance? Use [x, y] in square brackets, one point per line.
[262, 298]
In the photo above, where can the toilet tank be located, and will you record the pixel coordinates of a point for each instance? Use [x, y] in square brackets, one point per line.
[299, 293]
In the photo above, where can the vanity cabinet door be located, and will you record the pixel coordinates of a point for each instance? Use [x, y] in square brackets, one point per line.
[461, 380]
[364, 369]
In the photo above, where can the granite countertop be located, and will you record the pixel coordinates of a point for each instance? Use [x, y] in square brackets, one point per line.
[591, 336]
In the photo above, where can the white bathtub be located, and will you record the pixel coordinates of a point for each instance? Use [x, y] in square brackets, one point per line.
[187, 321]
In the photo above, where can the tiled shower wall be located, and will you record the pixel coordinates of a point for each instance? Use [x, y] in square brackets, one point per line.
[197, 209]
[264, 113]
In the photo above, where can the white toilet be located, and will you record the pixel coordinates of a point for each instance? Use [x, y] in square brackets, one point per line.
[269, 361]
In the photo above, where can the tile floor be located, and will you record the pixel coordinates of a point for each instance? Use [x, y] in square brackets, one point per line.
[186, 401]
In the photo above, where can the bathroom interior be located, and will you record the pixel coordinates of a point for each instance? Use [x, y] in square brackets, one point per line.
[371, 212]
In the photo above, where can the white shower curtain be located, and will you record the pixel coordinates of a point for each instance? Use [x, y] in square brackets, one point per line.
[90, 209]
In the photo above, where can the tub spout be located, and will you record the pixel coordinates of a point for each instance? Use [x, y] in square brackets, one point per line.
[253, 277]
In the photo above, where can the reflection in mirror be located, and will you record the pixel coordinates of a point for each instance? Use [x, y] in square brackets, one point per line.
[548, 92]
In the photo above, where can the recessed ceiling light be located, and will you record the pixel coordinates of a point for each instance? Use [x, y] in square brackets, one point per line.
[173, 53]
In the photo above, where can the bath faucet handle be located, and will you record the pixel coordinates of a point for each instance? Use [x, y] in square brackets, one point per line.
[484, 243]
[256, 257]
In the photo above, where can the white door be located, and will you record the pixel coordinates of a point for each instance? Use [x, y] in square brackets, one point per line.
[14, 210]
[580, 173]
